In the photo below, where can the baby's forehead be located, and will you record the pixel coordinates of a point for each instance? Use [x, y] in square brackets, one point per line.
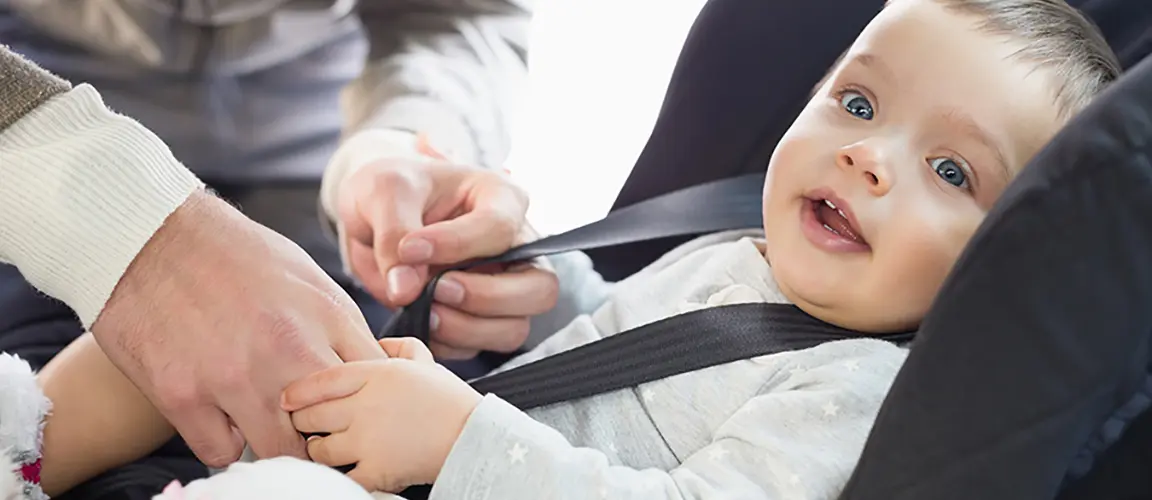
[922, 61]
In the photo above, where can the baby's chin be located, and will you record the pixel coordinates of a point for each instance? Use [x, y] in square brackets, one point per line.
[839, 310]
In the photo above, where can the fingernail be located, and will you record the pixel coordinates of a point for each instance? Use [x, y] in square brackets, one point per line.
[449, 292]
[401, 278]
[433, 322]
[415, 250]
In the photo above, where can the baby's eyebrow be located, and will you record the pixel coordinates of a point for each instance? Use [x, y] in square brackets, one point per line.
[871, 61]
[964, 123]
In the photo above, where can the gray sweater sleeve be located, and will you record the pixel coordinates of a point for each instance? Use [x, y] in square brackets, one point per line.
[448, 69]
[24, 87]
[799, 438]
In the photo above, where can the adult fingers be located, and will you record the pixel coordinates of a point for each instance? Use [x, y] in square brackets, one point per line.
[330, 416]
[490, 226]
[268, 429]
[395, 209]
[525, 291]
[363, 263]
[350, 337]
[209, 434]
[333, 450]
[443, 351]
[461, 330]
[334, 382]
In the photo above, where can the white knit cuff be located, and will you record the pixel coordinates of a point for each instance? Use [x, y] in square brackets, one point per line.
[82, 190]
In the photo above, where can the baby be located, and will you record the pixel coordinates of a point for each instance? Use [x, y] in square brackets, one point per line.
[870, 197]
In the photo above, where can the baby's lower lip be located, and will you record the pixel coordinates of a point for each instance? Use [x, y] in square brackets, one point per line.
[824, 238]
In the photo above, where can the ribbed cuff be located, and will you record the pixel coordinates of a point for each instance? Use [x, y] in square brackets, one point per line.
[82, 190]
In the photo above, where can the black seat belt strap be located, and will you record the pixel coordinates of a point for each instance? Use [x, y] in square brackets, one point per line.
[679, 344]
[675, 345]
[732, 203]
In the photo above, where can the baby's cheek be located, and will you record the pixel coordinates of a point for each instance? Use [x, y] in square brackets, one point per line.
[928, 256]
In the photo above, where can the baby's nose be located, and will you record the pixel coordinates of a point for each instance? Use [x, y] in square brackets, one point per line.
[863, 162]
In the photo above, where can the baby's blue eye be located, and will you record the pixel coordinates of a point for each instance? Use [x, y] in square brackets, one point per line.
[857, 104]
[948, 170]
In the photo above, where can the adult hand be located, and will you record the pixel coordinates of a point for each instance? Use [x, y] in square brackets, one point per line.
[404, 219]
[215, 317]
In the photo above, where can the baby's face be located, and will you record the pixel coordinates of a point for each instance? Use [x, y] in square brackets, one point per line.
[883, 178]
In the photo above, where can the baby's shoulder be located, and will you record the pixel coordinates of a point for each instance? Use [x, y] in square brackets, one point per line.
[863, 364]
[707, 257]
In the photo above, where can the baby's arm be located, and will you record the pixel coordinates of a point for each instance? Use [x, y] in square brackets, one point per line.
[799, 438]
[99, 419]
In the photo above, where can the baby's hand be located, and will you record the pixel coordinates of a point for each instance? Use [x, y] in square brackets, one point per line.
[396, 418]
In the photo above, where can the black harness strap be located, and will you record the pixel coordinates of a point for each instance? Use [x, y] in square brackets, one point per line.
[682, 343]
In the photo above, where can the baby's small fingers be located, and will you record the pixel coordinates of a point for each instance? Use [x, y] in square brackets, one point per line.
[406, 348]
[333, 450]
[329, 416]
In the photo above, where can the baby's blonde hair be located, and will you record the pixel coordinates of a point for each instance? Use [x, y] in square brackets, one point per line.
[1056, 37]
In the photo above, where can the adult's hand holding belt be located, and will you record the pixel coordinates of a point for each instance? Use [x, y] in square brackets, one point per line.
[404, 212]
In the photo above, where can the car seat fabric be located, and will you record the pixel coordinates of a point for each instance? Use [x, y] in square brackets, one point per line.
[722, 116]
[744, 73]
[1041, 332]
[1127, 25]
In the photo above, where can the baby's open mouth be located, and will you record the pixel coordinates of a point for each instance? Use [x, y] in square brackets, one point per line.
[835, 221]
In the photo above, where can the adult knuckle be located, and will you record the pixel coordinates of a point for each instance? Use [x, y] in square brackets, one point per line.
[390, 178]
[514, 336]
[178, 395]
[231, 376]
[506, 225]
[279, 327]
[284, 339]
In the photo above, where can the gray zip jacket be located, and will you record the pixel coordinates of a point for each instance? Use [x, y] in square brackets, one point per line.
[266, 88]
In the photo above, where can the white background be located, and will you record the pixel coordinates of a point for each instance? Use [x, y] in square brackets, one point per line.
[598, 71]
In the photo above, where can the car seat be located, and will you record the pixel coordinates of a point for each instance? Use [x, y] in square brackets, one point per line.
[1040, 393]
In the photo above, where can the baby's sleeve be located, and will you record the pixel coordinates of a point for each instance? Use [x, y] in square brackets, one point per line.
[798, 439]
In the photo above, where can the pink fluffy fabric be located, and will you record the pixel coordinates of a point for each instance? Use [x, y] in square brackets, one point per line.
[23, 411]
